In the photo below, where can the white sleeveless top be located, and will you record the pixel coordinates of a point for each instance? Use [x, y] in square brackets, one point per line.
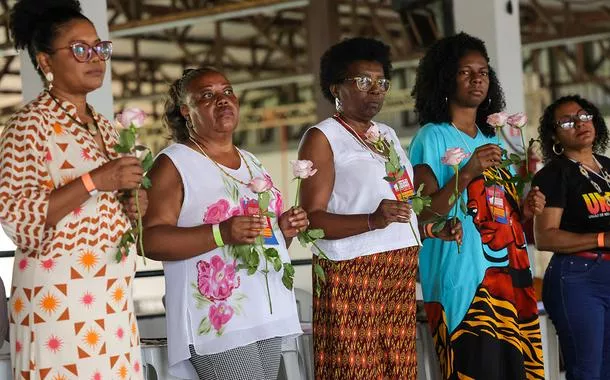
[210, 303]
[358, 189]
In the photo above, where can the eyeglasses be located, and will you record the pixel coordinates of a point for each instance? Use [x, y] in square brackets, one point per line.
[569, 122]
[365, 83]
[83, 52]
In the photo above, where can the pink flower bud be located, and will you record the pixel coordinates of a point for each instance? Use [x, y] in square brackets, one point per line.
[302, 168]
[131, 116]
[260, 184]
[517, 120]
[454, 156]
[497, 120]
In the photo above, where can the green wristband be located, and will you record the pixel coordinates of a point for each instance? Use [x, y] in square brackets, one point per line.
[217, 235]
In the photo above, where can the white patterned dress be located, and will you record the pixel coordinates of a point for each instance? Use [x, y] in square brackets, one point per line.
[71, 309]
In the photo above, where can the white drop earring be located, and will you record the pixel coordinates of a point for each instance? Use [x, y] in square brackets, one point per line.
[338, 105]
[49, 77]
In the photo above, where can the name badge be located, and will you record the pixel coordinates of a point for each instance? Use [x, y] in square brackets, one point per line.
[250, 208]
[402, 187]
[495, 200]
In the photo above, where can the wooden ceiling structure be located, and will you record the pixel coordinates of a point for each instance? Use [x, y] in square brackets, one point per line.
[265, 46]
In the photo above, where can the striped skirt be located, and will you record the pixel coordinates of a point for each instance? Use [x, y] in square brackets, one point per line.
[364, 320]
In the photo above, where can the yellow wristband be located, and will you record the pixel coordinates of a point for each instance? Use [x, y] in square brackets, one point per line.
[428, 230]
[217, 235]
[601, 239]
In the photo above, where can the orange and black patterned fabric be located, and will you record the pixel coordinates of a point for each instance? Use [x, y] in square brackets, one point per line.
[364, 320]
[71, 308]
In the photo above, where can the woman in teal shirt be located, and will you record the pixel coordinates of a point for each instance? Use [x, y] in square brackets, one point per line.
[480, 303]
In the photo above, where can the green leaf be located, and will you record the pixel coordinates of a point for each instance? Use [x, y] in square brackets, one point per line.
[303, 239]
[269, 214]
[438, 226]
[204, 326]
[240, 251]
[121, 149]
[389, 179]
[259, 240]
[140, 148]
[147, 162]
[146, 182]
[288, 280]
[515, 157]
[394, 160]
[127, 138]
[420, 189]
[452, 199]
[251, 271]
[119, 255]
[277, 264]
[417, 204]
[201, 300]
[263, 200]
[315, 233]
[463, 206]
[288, 268]
[319, 272]
[271, 253]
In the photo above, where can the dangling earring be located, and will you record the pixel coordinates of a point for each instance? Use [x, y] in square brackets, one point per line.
[49, 77]
[189, 125]
[557, 151]
[446, 101]
[338, 105]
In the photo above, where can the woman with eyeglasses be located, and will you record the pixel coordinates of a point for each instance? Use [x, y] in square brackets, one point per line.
[61, 185]
[364, 318]
[575, 225]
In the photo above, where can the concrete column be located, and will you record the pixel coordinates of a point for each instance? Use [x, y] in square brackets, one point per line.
[497, 23]
[323, 31]
[101, 99]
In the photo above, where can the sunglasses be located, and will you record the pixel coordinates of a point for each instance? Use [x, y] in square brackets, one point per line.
[569, 122]
[83, 52]
[365, 83]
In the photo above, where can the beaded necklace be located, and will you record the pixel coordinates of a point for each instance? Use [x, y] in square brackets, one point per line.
[585, 170]
[220, 167]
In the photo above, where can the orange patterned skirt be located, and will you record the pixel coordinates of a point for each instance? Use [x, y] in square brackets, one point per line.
[364, 320]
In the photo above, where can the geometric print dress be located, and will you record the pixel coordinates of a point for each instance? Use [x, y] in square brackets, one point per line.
[71, 308]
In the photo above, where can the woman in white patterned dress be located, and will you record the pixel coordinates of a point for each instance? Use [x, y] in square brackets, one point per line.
[219, 324]
[71, 309]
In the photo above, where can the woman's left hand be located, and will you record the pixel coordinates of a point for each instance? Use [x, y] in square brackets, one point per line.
[534, 203]
[452, 231]
[129, 203]
[293, 221]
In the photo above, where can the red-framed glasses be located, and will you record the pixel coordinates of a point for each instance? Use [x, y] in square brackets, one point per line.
[83, 52]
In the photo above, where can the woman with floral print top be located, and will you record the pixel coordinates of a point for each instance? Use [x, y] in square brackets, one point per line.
[201, 207]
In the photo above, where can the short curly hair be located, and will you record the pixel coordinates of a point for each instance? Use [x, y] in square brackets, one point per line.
[546, 128]
[334, 62]
[436, 82]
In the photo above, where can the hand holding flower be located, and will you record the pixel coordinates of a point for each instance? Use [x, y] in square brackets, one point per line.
[452, 231]
[483, 158]
[390, 211]
[293, 221]
[242, 229]
[533, 204]
[129, 203]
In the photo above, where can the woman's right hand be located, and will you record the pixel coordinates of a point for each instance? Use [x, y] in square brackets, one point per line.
[120, 174]
[242, 229]
[483, 158]
[390, 211]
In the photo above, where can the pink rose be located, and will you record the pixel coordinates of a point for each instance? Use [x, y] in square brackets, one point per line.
[220, 314]
[497, 119]
[217, 212]
[454, 156]
[216, 279]
[133, 116]
[302, 168]
[373, 134]
[260, 184]
[517, 120]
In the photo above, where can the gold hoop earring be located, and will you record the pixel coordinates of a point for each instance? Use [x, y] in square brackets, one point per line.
[557, 151]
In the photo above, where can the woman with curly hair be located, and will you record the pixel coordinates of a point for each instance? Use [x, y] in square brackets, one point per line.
[575, 226]
[364, 317]
[61, 186]
[480, 303]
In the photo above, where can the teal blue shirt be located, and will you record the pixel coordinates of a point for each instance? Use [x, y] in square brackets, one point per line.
[446, 276]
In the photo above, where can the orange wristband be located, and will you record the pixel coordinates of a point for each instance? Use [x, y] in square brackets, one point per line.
[428, 229]
[601, 239]
[89, 185]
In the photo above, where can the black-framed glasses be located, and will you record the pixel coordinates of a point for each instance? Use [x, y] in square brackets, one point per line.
[83, 52]
[568, 122]
[365, 83]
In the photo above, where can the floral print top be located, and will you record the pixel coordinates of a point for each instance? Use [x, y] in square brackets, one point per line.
[211, 304]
